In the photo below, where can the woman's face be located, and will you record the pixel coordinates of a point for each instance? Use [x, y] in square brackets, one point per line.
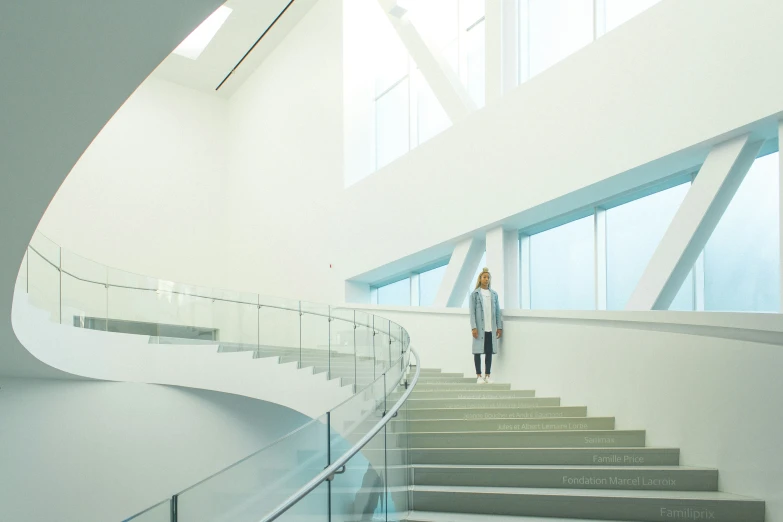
[484, 280]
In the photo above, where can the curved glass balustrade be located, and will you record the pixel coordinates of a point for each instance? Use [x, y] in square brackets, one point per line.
[353, 346]
[362, 349]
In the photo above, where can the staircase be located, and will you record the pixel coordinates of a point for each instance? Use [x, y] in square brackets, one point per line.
[486, 452]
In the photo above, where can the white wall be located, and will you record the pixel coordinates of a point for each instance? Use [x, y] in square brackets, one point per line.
[705, 383]
[663, 85]
[97, 451]
[286, 166]
[147, 195]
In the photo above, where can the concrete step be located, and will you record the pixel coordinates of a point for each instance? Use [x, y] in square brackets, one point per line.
[447, 386]
[562, 424]
[427, 379]
[548, 456]
[475, 393]
[497, 413]
[650, 478]
[530, 439]
[647, 506]
[485, 404]
[423, 516]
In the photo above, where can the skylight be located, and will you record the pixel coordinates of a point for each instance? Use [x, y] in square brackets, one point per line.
[192, 46]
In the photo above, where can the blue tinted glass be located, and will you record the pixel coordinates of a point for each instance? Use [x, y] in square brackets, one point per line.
[395, 294]
[742, 257]
[562, 274]
[429, 282]
[633, 232]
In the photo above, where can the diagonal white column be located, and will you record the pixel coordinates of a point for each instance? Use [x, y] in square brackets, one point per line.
[459, 273]
[442, 79]
[715, 185]
[503, 262]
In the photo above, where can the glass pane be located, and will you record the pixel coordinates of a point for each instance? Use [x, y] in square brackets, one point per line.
[392, 133]
[430, 116]
[84, 292]
[562, 274]
[557, 28]
[158, 513]
[279, 328]
[633, 232]
[429, 283]
[470, 12]
[253, 487]
[482, 264]
[366, 368]
[343, 360]
[360, 490]
[21, 277]
[395, 294]
[398, 469]
[742, 257]
[43, 276]
[436, 20]
[235, 317]
[473, 72]
[381, 342]
[620, 11]
[391, 63]
[315, 337]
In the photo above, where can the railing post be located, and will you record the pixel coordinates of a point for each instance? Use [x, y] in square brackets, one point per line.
[329, 346]
[61, 286]
[355, 360]
[328, 463]
[258, 326]
[300, 334]
[27, 279]
[174, 512]
[385, 453]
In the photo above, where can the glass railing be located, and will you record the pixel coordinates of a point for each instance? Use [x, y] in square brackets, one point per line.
[351, 345]
[364, 438]
[374, 484]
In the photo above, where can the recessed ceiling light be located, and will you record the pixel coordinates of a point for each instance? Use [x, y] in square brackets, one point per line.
[192, 46]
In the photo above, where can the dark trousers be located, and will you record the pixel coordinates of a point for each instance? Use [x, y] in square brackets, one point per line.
[487, 355]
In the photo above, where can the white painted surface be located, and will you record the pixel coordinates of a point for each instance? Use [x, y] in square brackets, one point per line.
[161, 159]
[130, 358]
[459, 272]
[693, 224]
[707, 383]
[604, 120]
[98, 451]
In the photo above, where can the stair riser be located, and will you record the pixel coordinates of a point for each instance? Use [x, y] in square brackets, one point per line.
[555, 439]
[543, 457]
[486, 404]
[585, 478]
[571, 424]
[497, 414]
[472, 394]
[608, 508]
[446, 380]
[460, 387]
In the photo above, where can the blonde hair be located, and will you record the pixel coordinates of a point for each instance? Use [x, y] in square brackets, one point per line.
[485, 270]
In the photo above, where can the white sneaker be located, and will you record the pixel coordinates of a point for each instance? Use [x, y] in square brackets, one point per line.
[480, 380]
[487, 380]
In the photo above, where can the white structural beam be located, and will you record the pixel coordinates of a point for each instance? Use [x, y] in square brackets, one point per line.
[442, 79]
[503, 263]
[459, 273]
[710, 194]
[501, 47]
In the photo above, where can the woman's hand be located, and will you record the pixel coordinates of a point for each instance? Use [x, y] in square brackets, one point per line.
[500, 333]
[475, 333]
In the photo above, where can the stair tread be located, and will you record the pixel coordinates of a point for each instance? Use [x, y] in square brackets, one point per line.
[429, 516]
[560, 467]
[613, 493]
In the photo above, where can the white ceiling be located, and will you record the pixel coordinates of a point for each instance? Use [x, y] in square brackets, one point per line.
[249, 19]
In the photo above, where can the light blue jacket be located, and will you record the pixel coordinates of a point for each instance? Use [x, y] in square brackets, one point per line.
[477, 319]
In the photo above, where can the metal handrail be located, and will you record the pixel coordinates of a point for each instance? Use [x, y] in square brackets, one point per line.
[334, 468]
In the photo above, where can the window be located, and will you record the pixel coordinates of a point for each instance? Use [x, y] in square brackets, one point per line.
[555, 29]
[395, 294]
[431, 119]
[742, 257]
[633, 232]
[392, 127]
[620, 11]
[562, 274]
[429, 283]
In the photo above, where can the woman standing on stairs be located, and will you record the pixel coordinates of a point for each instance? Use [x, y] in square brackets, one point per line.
[485, 320]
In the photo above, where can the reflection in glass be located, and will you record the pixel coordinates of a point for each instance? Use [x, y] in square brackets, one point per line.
[562, 260]
[742, 257]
